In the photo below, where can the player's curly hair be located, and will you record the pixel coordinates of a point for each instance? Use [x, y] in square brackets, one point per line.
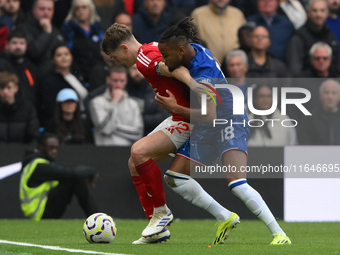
[114, 36]
[183, 31]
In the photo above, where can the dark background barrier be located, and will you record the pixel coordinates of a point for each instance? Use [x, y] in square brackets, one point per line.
[116, 195]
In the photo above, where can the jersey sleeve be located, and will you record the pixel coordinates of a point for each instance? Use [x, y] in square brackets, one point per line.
[147, 61]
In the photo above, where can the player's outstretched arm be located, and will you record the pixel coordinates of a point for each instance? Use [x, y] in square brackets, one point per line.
[194, 114]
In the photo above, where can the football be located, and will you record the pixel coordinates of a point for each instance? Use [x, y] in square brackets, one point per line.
[99, 228]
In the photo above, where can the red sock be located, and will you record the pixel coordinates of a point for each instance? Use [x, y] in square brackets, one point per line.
[143, 196]
[152, 178]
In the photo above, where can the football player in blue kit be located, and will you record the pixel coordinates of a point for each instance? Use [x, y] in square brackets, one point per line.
[207, 142]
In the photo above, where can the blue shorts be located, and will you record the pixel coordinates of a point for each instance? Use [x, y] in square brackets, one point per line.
[206, 144]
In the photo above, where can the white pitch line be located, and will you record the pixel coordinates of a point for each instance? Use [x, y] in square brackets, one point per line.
[57, 248]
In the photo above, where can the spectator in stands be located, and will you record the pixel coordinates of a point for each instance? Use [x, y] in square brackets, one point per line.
[67, 122]
[42, 35]
[217, 24]
[244, 36]
[18, 118]
[151, 21]
[322, 128]
[13, 15]
[280, 28]
[269, 133]
[320, 58]
[313, 31]
[61, 8]
[83, 35]
[47, 188]
[244, 39]
[294, 11]
[125, 19]
[333, 20]
[141, 91]
[260, 62]
[15, 61]
[116, 117]
[237, 67]
[59, 77]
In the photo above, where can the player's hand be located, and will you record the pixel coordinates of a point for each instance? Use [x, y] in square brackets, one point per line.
[46, 25]
[116, 95]
[92, 180]
[167, 103]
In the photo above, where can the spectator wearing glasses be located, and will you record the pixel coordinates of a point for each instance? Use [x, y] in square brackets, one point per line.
[313, 31]
[279, 26]
[261, 64]
[320, 59]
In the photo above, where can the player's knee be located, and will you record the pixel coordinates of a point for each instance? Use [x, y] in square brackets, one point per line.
[138, 153]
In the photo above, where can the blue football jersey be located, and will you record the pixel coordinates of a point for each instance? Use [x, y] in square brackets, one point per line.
[204, 67]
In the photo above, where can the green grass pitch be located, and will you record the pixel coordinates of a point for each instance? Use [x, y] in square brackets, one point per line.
[187, 237]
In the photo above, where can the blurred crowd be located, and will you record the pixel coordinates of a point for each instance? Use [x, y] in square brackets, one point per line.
[54, 77]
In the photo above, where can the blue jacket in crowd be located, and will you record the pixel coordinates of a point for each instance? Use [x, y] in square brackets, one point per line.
[280, 30]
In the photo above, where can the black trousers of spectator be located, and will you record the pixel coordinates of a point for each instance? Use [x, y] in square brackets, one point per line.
[61, 196]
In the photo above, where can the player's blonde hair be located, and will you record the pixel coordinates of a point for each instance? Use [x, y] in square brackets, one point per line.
[114, 36]
[94, 17]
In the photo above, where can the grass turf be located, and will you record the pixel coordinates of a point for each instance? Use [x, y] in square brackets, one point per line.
[187, 237]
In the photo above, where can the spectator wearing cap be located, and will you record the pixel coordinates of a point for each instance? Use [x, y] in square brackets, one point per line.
[13, 15]
[18, 118]
[217, 24]
[116, 117]
[322, 127]
[67, 122]
[42, 35]
[83, 35]
[315, 30]
[14, 60]
[279, 26]
[59, 77]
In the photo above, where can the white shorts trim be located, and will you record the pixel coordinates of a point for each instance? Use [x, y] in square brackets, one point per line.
[178, 131]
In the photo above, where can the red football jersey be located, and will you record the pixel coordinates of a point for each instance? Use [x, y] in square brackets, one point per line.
[147, 60]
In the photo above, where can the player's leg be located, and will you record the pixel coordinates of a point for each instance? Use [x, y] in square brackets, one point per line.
[143, 153]
[238, 185]
[146, 202]
[140, 187]
[179, 180]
